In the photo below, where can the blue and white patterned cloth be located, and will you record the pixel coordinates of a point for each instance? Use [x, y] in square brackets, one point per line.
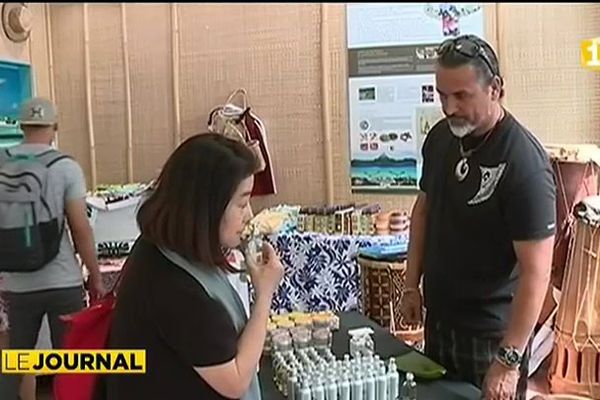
[322, 271]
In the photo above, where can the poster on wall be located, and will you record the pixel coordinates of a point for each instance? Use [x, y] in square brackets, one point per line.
[392, 97]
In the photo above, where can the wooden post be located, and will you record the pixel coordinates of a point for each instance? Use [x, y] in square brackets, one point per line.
[50, 55]
[175, 67]
[88, 97]
[326, 102]
[127, 94]
[29, 44]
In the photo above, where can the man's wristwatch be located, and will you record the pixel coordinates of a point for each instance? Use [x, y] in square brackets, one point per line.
[509, 357]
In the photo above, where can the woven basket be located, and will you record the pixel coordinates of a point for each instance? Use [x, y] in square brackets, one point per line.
[382, 285]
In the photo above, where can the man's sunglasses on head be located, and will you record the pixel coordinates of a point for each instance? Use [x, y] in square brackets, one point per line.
[467, 47]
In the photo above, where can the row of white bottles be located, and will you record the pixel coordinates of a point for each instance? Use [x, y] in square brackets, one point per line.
[308, 374]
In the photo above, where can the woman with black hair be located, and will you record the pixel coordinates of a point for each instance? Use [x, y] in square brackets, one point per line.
[175, 301]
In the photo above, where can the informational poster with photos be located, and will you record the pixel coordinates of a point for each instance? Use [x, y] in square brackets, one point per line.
[392, 97]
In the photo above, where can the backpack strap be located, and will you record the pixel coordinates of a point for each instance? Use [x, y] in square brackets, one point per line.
[48, 157]
[51, 157]
[4, 156]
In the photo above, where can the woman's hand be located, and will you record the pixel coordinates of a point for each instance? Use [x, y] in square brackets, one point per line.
[266, 273]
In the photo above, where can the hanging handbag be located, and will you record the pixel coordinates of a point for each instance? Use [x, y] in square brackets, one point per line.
[234, 120]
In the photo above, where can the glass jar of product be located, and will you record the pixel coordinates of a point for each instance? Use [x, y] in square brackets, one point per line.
[321, 321]
[305, 322]
[271, 328]
[321, 338]
[276, 318]
[282, 342]
[285, 324]
[301, 338]
[296, 315]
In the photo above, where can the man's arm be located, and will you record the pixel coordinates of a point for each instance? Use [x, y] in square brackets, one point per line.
[418, 218]
[83, 236]
[416, 244]
[535, 266]
[79, 225]
[531, 217]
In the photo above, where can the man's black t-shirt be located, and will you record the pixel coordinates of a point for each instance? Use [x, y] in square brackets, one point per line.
[163, 310]
[470, 265]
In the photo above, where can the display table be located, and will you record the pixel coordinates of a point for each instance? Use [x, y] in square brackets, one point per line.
[386, 346]
[321, 271]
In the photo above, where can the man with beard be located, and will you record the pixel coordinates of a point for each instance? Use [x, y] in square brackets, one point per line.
[482, 228]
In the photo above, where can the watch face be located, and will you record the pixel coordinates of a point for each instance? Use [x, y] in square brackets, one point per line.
[513, 357]
[510, 356]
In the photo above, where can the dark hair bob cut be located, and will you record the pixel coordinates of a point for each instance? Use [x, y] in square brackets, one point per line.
[184, 209]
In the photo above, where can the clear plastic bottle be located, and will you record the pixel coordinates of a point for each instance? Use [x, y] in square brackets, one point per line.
[393, 380]
[318, 391]
[370, 387]
[357, 389]
[292, 384]
[305, 391]
[332, 390]
[382, 385]
[344, 389]
[408, 391]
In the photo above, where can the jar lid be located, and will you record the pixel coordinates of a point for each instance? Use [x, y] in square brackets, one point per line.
[285, 323]
[296, 315]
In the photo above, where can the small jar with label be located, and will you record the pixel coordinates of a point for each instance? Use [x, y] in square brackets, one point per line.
[285, 324]
[305, 322]
[322, 321]
[301, 338]
[294, 315]
[271, 328]
[321, 338]
[276, 318]
[282, 342]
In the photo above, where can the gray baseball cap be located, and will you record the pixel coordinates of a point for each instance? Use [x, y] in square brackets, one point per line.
[38, 111]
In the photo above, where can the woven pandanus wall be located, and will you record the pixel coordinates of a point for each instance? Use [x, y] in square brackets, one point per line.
[181, 67]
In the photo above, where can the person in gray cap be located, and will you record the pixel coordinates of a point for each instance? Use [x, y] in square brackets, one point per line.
[47, 281]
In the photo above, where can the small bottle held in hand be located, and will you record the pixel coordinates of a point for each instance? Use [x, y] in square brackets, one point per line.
[408, 391]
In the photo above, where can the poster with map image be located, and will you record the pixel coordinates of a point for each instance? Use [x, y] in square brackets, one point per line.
[385, 145]
[393, 101]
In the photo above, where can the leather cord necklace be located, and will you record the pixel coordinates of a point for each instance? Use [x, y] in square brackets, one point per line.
[462, 166]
